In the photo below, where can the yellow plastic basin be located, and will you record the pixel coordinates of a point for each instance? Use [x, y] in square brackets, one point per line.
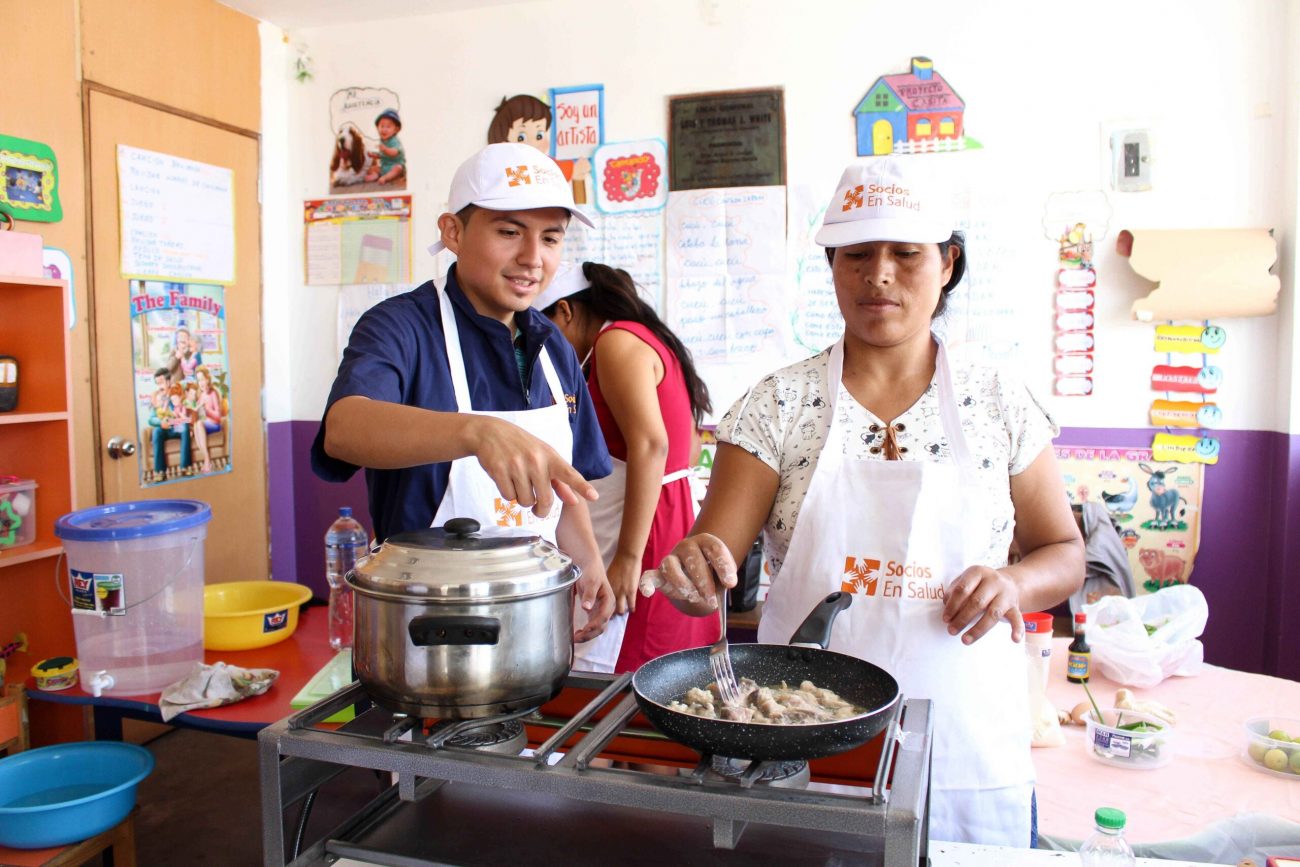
[243, 615]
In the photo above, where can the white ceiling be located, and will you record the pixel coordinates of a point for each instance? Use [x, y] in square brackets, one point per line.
[297, 14]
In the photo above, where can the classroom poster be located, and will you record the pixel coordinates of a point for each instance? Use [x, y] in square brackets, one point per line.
[182, 380]
[177, 218]
[365, 239]
[366, 154]
[1155, 505]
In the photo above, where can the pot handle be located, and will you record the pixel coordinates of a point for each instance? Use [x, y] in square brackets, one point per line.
[431, 630]
[815, 631]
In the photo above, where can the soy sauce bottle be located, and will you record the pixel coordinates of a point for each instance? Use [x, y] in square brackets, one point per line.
[1080, 659]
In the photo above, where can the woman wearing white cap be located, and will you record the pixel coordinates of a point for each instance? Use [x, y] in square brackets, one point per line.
[649, 400]
[878, 468]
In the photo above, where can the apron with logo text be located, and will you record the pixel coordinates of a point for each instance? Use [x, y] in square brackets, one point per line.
[896, 534]
[471, 493]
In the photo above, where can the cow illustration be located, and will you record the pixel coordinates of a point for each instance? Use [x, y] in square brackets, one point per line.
[1164, 498]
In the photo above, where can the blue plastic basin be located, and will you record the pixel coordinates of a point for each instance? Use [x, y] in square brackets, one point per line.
[57, 795]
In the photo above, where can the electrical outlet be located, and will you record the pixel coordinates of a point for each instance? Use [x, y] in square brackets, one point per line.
[1130, 160]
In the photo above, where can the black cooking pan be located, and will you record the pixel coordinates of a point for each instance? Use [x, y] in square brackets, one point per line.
[867, 686]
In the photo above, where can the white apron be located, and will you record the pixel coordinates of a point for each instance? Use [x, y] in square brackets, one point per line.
[896, 534]
[471, 493]
[601, 653]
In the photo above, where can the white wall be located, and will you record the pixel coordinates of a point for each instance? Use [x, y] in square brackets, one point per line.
[1210, 79]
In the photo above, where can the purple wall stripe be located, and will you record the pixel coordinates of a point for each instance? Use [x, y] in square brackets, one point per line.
[1248, 564]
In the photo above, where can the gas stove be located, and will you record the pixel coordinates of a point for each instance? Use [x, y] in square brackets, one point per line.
[596, 786]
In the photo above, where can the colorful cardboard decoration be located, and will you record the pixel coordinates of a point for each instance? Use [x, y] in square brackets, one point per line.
[578, 121]
[911, 112]
[362, 158]
[1156, 508]
[1191, 380]
[1203, 339]
[631, 176]
[525, 119]
[30, 174]
[182, 385]
[1185, 414]
[1185, 449]
[1087, 207]
[1075, 300]
[1203, 273]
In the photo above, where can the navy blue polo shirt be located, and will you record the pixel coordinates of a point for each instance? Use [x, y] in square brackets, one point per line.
[397, 353]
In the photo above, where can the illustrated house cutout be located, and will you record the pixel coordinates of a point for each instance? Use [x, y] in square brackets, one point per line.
[911, 112]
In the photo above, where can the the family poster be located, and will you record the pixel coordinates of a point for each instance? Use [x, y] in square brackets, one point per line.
[182, 380]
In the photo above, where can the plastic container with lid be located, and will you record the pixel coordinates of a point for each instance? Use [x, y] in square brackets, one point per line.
[1129, 739]
[136, 582]
[17, 511]
[1273, 745]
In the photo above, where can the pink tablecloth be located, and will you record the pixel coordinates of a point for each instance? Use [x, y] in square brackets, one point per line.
[1207, 780]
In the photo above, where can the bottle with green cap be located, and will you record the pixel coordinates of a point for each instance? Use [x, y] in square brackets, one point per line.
[1107, 846]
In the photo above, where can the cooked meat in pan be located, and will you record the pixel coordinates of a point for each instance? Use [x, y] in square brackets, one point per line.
[774, 705]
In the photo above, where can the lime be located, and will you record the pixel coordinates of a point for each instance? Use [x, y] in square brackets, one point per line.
[1295, 762]
[1279, 735]
[1275, 760]
[1257, 750]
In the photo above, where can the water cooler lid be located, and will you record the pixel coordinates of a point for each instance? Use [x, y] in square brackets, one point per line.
[138, 519]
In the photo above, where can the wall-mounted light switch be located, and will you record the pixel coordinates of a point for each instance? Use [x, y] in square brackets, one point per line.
[1130, 156]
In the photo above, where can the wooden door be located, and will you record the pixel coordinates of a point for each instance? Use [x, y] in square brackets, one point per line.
[234, 481]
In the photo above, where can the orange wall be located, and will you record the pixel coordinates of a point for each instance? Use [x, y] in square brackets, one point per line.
[194, 55]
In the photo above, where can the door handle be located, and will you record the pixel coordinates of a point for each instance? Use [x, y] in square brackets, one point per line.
[120, 447]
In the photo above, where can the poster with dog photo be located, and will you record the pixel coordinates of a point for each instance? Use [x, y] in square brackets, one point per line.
[1154, 507]
[367, 155]
[182, 380]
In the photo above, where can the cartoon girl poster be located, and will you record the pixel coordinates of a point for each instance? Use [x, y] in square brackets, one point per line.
[526, 119]
[178, 339]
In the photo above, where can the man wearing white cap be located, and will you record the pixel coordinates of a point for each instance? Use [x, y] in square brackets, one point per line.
[878, 469]
[462, 402]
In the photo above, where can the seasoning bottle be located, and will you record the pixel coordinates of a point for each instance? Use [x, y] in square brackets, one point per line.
[1107, 846]
[1080, 659]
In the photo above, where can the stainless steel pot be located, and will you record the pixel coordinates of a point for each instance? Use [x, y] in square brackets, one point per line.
[456, 623]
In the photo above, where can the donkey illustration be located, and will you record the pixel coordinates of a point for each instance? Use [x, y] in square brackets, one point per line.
[1164, 498]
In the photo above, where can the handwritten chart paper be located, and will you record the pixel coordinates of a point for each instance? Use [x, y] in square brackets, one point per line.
[726, 269]
[178, 218]
[355, 300]
[633, 242]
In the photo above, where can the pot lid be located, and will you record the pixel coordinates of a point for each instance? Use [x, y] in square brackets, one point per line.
[461, 562]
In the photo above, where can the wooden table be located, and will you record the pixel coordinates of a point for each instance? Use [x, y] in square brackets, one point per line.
[297, 658]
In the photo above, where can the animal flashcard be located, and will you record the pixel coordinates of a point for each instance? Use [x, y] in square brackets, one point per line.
[1165, 498]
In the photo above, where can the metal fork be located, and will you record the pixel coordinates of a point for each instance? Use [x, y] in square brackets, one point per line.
[720, 662]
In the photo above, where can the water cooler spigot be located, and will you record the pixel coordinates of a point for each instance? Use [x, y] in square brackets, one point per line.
[100, 682]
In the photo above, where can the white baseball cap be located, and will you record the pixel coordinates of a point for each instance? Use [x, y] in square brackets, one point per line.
[568, 280]
[888, 199]
[510, 176]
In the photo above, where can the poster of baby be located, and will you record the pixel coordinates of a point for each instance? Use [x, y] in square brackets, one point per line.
[182, 388]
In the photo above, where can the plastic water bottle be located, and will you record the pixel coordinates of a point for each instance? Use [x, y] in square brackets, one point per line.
[345, 541]
[1107, 846]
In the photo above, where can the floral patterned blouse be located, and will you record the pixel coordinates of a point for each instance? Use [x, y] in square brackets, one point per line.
[784, 419]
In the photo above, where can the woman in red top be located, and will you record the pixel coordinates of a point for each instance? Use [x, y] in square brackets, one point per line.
[649, 401]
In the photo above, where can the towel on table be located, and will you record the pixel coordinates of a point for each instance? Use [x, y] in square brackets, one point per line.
[213, 686]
